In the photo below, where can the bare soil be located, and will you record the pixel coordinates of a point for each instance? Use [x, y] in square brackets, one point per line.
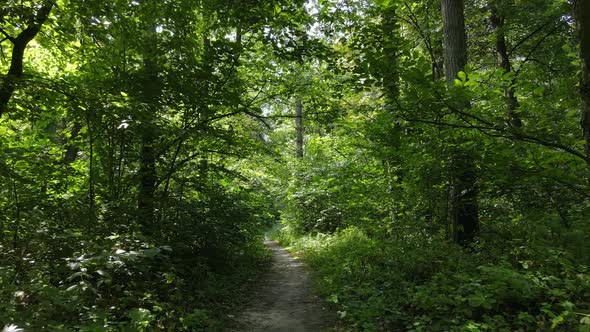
[282, 301]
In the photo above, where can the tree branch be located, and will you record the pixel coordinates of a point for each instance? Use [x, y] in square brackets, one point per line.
[413, 20]
[15, 72]
[534, 49]
[529, 36]
[6, 36]
[500, 133]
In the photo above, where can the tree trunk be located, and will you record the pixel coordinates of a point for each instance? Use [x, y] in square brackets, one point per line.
[299, 128]
[72, 149]
[582, 15]
[91, 172]
[464, 208]
[455, 39]
[148, 128]
[147, 178]
[390, 75]
[497, 21]
[390, 31]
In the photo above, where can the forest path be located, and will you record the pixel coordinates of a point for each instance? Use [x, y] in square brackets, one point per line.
[282, 301]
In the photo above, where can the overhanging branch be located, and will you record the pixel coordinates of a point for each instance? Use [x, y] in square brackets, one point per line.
[15, 72]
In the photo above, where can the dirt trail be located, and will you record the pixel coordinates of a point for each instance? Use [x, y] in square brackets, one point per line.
[282, 301]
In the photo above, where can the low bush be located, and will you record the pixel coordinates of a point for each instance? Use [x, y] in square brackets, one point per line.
[189, 278]
[414, 282]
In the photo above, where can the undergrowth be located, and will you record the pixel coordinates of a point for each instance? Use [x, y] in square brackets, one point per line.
[406, 280]
[132, 287]
[189, 277]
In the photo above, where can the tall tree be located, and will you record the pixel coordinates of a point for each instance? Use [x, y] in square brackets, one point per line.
[148, 130]
[497, 20]
[299, 128]
[464, 205]
[582, 15]
[390, 30]
[390, 75]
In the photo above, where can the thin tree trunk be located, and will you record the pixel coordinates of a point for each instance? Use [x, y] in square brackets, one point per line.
[148, 128]
[120, 164]
[582, 15]
[147, 174]
[464, 207]
[299, 128]
[18, 259]
[391, 40]
[91, 194]
[497, 21]
[204, 168]
[390, 31]
[390, 189]
[171, 170]
[111, 159]
[16, 234]
[71, 148]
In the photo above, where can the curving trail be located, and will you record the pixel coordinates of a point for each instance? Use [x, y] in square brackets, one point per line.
[281, 301]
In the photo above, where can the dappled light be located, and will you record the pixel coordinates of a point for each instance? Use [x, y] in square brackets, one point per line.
[294, 165]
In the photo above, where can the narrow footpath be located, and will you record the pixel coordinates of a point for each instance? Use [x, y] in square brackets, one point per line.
[281, 300]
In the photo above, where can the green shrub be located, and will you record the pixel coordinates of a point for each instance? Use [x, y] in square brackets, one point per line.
[422, 283]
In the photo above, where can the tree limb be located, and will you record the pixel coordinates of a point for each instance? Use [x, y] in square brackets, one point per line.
[6, 35]
[527, 37]
[20, 43]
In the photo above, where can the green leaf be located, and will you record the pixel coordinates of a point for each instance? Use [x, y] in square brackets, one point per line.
[462, 76]
[140, 316]
[556, 321]
[383, 3]
[333, 298]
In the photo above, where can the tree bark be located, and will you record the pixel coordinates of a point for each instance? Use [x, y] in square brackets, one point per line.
[299, 128]
[72, 150]
[147, 178]
[463, 177]
[15, 72]
[91, 172]
[390, 75]
[582, 16]
[455, 38]
[497, 21]
[390, 31]
[148, 129]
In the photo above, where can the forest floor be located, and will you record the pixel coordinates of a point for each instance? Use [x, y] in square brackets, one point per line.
[282, 301]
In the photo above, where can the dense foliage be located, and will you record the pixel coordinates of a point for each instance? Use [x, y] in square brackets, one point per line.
[426, 158]
[370, 205]
[124, 204]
